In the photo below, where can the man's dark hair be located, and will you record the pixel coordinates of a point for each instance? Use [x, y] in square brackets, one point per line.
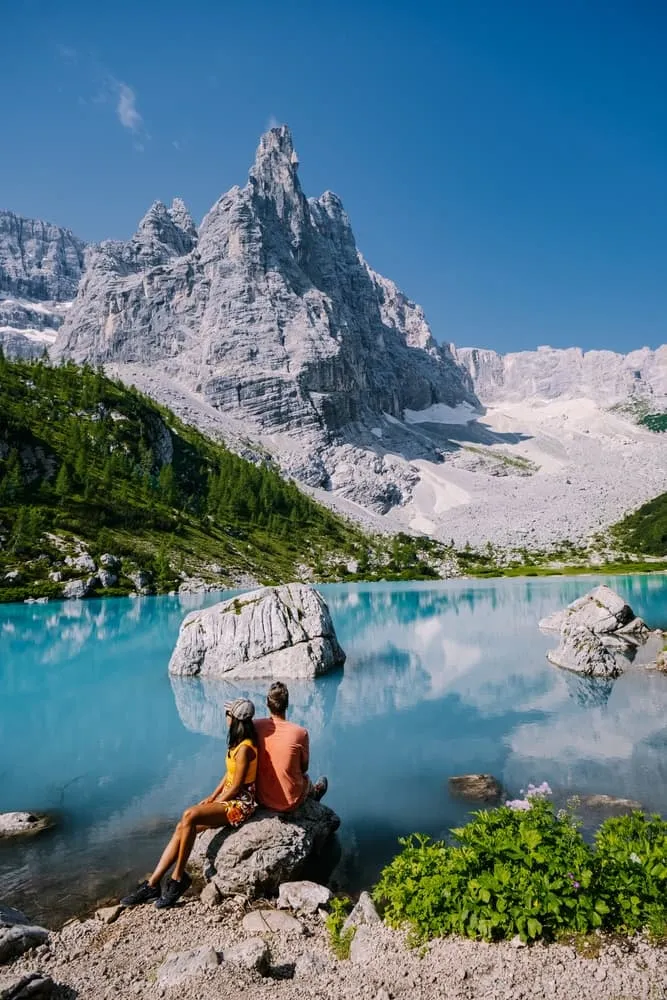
[277, 699]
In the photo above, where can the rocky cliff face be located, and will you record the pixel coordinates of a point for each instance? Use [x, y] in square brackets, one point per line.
[40, 269]
[605, 377]
[272, 315]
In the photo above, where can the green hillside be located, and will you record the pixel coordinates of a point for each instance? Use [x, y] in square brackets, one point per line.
[655, 422]
[645, 531]
[90, 465]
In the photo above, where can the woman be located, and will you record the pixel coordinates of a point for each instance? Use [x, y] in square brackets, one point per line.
[231, 804]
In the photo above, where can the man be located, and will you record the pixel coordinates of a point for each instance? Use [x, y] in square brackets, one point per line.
[284, 752]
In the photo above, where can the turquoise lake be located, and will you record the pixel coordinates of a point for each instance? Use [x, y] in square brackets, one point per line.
[441, 679]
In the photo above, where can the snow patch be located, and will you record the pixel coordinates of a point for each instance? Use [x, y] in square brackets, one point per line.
[440, 413]
[41, 336]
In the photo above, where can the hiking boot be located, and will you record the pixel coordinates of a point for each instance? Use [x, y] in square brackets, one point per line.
[173, 891]
[319, 789]
[144, 893]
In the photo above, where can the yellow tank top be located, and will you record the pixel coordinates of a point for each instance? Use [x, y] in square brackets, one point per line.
[251, 773]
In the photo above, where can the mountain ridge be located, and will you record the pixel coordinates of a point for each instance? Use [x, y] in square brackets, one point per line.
[266, 327]
[40, 269]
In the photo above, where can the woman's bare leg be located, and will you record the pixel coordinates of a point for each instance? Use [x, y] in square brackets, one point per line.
[170, 854]
[194, 820]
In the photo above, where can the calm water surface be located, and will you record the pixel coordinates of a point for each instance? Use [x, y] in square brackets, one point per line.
[440, 679]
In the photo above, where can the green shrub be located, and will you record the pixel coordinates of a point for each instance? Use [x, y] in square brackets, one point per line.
[631, 852]
[528, 871]
[339, 939]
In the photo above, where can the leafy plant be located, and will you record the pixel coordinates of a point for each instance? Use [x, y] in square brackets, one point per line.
[339, 939]
[524, 869]
[631, 852]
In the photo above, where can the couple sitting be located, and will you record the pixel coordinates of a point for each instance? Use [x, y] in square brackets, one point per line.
[267, 763]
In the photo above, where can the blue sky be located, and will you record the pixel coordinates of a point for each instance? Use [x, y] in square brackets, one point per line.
[505, 162]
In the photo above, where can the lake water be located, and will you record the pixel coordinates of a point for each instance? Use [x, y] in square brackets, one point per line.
[440, 679]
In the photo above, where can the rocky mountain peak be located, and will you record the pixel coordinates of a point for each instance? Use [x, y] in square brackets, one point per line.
[163, 233]
[277, 321]
[182, 218]
[273, 181]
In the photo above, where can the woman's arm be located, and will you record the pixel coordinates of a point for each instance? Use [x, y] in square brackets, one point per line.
[224, 792]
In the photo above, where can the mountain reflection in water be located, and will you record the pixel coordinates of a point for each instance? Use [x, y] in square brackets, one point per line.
[440, 679]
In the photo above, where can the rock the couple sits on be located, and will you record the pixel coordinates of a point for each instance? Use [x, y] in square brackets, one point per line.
[267, 764]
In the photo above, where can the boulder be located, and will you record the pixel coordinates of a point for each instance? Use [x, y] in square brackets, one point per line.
[600, 636]
[363, 913]
[182, 965]
[271, 632]
[364, 946]
[84, 563]
[109, 561]
[107, 578]
[26, 986]
[23, 824]
[475, 787]
[141, 581]
[253, 953]
[268, 849]
[303, 896]
[108, 914]
[210, 895]
[77, 589]
[310, 964]
[17, 934]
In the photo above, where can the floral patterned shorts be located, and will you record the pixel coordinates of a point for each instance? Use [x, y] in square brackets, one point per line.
[240, 809]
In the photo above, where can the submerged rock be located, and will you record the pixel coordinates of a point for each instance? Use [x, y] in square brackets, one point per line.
[609, 803]
[267, 850]
[271, 632]
[17, 934]
[23, 824]
[476, 787]
[600, 636]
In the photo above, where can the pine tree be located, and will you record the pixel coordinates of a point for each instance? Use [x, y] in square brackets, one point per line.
[11, 485]
[25, 531]
[63, 484]
[167, 485]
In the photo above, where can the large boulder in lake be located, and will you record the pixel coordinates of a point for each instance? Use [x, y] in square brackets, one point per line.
[272, 632]
[600, 636]
[267, 850]
[23, 824]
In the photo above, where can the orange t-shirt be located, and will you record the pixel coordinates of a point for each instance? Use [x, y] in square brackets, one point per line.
[282, 782]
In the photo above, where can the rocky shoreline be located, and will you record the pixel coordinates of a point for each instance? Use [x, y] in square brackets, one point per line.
[229, 958]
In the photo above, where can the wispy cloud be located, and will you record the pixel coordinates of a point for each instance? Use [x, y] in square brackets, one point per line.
[111, 91]
[272, 122]
[126, 108]
[67, 53]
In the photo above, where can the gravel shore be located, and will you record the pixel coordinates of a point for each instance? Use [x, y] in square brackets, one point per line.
[91, 959]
